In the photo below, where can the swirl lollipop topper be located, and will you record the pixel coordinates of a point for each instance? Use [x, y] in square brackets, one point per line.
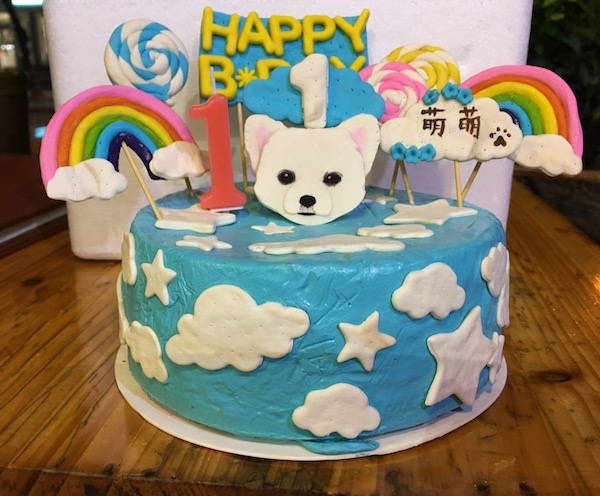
[400, 85]
[146, 55]
[433, 63]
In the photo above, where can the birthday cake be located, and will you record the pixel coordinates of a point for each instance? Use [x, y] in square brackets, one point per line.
[307, 306]
[315, 334]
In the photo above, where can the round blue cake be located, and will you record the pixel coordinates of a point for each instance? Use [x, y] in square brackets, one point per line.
[328, 335]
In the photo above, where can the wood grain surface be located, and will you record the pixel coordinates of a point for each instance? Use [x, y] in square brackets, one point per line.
[26, 213]
[65, 429]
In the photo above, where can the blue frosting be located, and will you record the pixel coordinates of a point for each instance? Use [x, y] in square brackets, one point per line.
[331, 288]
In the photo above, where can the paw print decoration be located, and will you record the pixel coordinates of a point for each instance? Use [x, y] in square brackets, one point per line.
[499, 137]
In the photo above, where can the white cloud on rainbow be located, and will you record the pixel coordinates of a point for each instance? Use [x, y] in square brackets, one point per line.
[177, 160]
[92, 178]
[551, 153]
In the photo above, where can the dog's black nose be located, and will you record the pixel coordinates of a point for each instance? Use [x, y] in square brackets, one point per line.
[307, 201]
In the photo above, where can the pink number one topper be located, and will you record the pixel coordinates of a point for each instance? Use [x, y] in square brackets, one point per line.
[222, 195]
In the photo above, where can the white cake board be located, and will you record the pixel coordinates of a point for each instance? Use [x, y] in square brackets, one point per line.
[197, 434]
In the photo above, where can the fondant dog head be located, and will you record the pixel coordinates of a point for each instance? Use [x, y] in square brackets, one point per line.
[311, 176]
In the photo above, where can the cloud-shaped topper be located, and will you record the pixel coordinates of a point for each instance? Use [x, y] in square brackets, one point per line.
[93, 178]
[453, 130]
[347, 96]
[551, 153]
[341, 408]
[177, 160]
[431, 290]
[145, 349]
[229, 328]
[495, 271]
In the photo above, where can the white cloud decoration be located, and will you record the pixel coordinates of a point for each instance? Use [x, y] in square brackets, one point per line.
[145, 349]
[341, 408]
[123, 321]
[433, 290]
[177, 160]
[93, 178]
[551, 153]
[335, 243]
[229, 328]
[495, 362]
[128, 264]
[495, 269]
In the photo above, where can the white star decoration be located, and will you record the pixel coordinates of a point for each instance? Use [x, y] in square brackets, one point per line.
[272, 228]
[363, 341]
[461, 356]
[495, 362]
[157, 278]
[204, 243]
[436, 212]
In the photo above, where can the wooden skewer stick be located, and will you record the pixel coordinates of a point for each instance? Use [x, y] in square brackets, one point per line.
[400, 165]
[407, 187]
[471, 179]
[141, 181]
[394, 178]
[242, 146]
[457, 182]
[188, 185]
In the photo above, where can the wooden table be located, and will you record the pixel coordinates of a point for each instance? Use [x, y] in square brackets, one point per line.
[65, 429]
[26, 213]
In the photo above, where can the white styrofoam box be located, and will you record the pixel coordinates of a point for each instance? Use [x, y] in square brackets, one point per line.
[478, 35]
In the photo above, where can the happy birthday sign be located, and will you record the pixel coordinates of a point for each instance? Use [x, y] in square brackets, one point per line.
[236, 50]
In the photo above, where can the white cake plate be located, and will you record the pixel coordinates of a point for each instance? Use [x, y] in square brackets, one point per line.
[207, 437]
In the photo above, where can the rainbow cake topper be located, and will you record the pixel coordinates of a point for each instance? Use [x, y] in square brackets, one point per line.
[540, 128]
[537, 99]
[79, 155]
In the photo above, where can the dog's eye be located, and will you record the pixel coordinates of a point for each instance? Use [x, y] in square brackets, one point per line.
[332, 178]
[286, 177]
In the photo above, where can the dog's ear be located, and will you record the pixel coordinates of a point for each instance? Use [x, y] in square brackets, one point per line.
[364, 131]
[258, 130]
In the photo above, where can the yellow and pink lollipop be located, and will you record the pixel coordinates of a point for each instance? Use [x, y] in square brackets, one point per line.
[402, 78]
[435, 65]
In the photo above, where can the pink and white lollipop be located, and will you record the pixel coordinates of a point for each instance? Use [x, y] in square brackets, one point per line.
[400, 85]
